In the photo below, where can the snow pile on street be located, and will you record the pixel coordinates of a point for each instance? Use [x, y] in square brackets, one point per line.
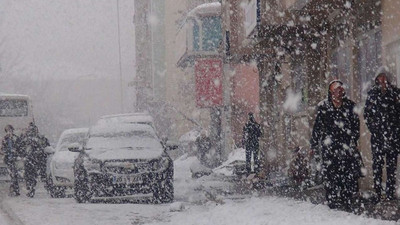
[198, 191]
[190, 136]
[177, 207]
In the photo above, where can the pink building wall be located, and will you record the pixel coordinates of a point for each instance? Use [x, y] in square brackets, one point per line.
[245, 97]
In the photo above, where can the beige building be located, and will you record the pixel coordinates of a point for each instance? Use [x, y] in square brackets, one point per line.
[163, 88]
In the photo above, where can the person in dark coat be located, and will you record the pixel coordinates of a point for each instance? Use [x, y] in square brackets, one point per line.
[9, 148]
[251, 135]
[335, 134]
[382, 117]
[35, 157]
[203, 144]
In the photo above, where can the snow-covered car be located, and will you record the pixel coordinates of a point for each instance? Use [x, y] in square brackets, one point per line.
[187, 142]
[123, 161]
[60, 173]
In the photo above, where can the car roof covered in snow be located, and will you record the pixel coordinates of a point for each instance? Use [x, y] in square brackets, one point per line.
[108, 128]
[136, 118]
[75, 131]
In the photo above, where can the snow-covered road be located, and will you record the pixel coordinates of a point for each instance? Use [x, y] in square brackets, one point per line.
[191, 207]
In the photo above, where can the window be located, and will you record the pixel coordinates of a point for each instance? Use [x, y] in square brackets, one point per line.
[207, 33]
[299, 82]
[13, 108]
[393, 50]
[212, 34]
[341, 61]
[369, 59]
[196, 36]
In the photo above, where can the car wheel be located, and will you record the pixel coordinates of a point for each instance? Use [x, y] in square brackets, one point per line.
[168, 195]
[164, 193]
[55, 192]
[81, 188]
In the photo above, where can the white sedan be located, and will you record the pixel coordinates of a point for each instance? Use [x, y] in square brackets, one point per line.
[60, 174]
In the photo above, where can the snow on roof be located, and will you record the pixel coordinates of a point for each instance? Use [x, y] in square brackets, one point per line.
[14, 96]
[213, 8]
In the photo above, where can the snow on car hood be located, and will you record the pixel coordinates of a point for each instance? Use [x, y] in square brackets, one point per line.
[128, 153]
[124, 148]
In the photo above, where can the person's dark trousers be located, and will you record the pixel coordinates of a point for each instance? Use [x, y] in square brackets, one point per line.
[381, 151]
[248, 160]
[14, 187]
[349, 181]
[42, 170]
[340, 189]
[30, 177]
[252, 151]
[332, 190]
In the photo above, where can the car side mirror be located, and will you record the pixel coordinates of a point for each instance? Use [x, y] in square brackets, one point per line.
[49, 150]
[75, 148]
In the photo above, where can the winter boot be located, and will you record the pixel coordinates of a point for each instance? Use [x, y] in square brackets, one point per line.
[31, 193]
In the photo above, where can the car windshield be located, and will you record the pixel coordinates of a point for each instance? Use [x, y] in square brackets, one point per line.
[136, 139]
[67, 140]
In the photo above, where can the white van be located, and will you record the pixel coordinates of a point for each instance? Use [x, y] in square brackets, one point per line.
[15, 110]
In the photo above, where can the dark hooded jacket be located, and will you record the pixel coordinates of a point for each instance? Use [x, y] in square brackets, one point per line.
[382, 110]
[251, 134]
[336, 132]
[10, 148]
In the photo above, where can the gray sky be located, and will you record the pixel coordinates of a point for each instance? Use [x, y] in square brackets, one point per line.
[69, 38]
[54, 40]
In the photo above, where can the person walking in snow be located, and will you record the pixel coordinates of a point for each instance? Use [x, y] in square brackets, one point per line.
[10, 150]
[251, 135]
[382, 118]
[34, 145]
[335, 134]
[203, 144]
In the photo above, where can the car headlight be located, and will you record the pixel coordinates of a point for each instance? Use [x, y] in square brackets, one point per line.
[92, 165]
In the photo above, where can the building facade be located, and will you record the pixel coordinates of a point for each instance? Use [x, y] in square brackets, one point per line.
[299, 47]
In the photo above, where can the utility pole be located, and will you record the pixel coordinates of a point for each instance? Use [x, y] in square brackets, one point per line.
[119, 59]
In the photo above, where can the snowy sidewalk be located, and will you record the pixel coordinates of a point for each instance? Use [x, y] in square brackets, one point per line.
[197, 202]
[254, 210]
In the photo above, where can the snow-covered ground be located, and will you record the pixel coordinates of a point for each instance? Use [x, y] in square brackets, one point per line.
[193, 205]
